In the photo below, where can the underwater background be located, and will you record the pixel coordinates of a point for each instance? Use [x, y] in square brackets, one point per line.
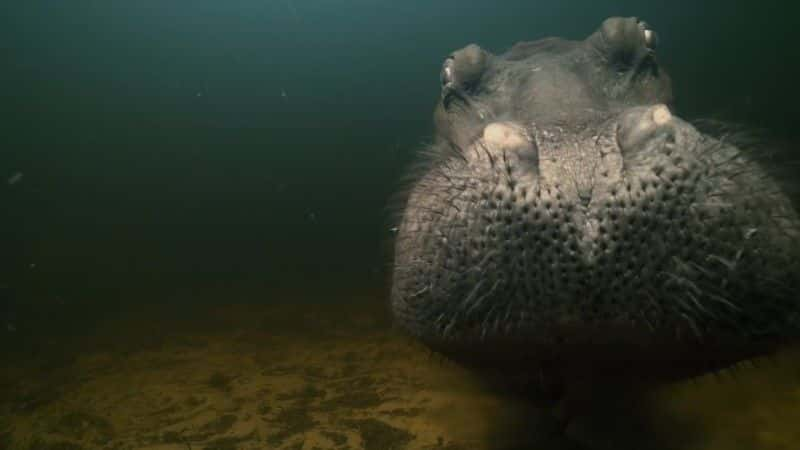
[164, 162]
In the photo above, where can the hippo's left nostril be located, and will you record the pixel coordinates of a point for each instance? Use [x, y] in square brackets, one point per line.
[642, 124]
[660, 114]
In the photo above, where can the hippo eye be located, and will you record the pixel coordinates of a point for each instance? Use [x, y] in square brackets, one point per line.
[650, 36]
[446, 76]
[650, 39]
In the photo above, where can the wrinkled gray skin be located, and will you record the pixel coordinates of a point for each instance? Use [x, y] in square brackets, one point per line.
[569, 226]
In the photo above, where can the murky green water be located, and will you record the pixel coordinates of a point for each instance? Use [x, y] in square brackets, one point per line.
[164, 166]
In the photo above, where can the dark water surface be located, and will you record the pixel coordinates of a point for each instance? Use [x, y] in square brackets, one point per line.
[199, 155]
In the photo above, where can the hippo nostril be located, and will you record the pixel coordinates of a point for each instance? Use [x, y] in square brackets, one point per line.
[513, 151]
[660, 114]
[501, 135]
[642, 124]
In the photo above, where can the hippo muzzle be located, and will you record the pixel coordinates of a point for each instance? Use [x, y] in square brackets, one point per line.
[567, 220]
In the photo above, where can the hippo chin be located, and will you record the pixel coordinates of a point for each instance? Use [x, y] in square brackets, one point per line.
[568, 225]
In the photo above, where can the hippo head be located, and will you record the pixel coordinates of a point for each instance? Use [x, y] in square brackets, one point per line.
[566, 221]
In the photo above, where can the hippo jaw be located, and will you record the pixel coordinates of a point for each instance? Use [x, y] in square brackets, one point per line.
[567, 214]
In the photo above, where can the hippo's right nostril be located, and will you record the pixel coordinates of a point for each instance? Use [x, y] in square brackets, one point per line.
[505, 136]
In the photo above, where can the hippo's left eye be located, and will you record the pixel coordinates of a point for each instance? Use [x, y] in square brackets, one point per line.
[650, 36]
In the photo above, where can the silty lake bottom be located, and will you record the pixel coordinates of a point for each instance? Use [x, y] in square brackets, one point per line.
[294, 373]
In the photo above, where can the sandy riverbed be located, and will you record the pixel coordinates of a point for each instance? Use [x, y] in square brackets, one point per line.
[306, 376]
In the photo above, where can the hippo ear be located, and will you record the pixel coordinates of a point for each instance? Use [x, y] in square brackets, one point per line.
[625, 42]
[462, 70]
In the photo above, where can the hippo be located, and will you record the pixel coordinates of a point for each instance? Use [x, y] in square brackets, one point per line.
[566, 227]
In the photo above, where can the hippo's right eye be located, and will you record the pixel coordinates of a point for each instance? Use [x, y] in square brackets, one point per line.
[446, 76]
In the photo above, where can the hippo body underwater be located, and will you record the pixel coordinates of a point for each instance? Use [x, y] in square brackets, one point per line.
[566, 226]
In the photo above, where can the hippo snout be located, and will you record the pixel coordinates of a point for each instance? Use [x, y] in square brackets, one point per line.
[568, 215]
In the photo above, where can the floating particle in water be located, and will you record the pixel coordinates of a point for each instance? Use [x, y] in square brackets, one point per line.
[15, 178]
[32, 265]
[284, 95]
[10, 327]
[312, 217]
